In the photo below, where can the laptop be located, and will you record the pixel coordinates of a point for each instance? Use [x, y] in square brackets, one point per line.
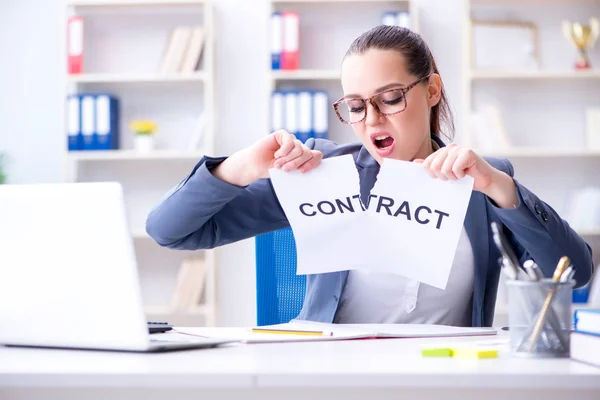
[68, 273]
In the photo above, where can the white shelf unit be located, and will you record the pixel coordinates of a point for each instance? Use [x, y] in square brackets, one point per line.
[542, 109]
[323, 45]
[535, 75]
[137, 78]
[123, 58]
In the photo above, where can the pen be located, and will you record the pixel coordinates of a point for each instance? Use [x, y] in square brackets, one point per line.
[510, 260]
[563, 263]
[567, 275]
[533, 271]
[292, 332]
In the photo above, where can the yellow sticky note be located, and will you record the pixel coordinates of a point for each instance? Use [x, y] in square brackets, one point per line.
[436, 352]
[475, 353]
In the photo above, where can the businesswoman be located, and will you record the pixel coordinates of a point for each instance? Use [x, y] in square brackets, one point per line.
[395, 103]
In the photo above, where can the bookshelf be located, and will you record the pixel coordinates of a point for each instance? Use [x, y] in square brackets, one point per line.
[124, 59]
[542, 108]
[322, 46]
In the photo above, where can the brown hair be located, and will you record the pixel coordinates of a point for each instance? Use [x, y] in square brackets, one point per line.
[419, 62]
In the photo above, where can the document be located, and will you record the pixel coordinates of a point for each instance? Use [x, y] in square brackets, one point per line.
[309, 331]
[416, 221]
[410, 225]
[325, 213]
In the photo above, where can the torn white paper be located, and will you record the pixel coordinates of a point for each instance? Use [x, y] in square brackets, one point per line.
[416, 222]
[324, 210]
[411, 227]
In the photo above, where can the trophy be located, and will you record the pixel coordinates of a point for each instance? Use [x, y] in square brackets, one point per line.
[583, 37]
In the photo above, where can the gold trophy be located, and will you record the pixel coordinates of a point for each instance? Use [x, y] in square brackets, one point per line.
[583, 37]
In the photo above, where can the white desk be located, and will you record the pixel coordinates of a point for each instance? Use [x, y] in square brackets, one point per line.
[348, 370]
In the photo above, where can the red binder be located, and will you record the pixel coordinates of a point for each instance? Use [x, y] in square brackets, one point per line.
[290, 56]
[75, 45]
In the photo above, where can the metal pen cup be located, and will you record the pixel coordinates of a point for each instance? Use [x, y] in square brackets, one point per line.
[539, 317]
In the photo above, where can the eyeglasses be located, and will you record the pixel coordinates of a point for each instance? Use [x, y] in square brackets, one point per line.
[388, 102]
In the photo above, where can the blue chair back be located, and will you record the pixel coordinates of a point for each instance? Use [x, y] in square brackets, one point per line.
[279, 291]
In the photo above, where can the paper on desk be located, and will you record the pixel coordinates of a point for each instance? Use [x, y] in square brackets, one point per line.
[245, 335]
[418, 221]
[392, 330]
[324, 210]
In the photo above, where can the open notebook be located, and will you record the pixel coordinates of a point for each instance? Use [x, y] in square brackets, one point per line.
[304, 331]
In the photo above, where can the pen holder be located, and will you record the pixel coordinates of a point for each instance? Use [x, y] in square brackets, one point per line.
[539, 317]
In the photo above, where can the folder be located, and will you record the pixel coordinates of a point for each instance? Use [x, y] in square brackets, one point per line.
[88, 121]
[193, 53]
[389, 18]
[320, 115]
[290, 56]
[291, 112]
[107, 123]
[305, 116]
[276, 40]
[403, 19]
[176, 50]
[74, 123]
[75, 45]
[277, 111]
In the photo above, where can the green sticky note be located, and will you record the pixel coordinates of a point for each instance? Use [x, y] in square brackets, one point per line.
[437, 352]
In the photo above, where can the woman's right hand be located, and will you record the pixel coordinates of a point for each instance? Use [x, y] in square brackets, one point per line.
[279, 149]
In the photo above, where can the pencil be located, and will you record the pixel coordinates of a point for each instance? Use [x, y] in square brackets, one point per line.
[291, 332]
[563, 263]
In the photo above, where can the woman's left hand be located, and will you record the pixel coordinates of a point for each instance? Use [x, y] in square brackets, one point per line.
[454, 162]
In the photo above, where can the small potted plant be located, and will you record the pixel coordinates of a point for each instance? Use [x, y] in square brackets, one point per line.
[144, 135]
[2, 171]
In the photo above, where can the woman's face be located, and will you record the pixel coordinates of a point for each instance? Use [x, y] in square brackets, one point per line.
[403, 136]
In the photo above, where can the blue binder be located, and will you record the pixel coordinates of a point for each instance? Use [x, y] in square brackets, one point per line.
[88, 121]
[106, 135]
[74, 137]
[276, 40]
[320, 115]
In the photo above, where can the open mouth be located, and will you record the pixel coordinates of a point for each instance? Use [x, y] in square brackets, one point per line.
[383, 141]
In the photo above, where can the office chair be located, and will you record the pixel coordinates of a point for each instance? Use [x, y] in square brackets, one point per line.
[279, 291]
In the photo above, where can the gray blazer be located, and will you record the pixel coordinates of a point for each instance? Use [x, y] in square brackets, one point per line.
[203, 212]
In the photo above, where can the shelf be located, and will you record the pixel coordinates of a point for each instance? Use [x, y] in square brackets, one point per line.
[525, 2]
[339, 1]
[525, 152]
[140, 235]
[589, 232]
[129, 3]
[535, 75]
[136, 78]
[305, 74]
[126, 155]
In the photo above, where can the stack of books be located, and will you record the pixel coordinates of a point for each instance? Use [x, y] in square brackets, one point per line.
[585, 338]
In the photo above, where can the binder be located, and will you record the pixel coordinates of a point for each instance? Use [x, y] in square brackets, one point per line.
[389, 18]
[403, 19]
[74, 139]
[290, 57]
[75, 45]
[276, 40]
[305, 116]
[277, 111]
[194, 51]
[291, 113]
[107, 123]
[177, 46]
[320, 115]
[88, 123]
